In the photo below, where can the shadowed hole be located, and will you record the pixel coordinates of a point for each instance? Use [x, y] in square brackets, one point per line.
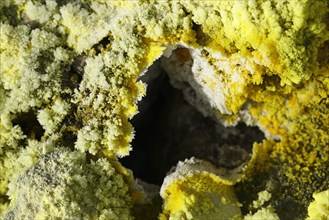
[73, 77]
[29, 124]
[168, 130]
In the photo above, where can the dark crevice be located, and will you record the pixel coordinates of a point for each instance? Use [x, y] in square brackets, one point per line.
[4, 199]
[29, 124]
[72, 78]
[271, 83]
[247, 191]
[70, 126]
[101, 45]
[12, 13]
[32, 24]
[69, 137]
[44, 60]
[323, 54]
[71, 120]
[200, 36]
[168, 130]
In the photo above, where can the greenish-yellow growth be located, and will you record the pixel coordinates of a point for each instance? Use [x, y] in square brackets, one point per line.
[62, 184]
[263, 213]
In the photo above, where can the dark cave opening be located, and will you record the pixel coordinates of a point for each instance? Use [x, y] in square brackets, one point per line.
[168, 129]
[29, 124]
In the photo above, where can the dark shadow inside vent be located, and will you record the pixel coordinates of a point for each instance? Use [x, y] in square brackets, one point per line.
[168, 129]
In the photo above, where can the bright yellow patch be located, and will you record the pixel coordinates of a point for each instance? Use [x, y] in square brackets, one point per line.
[200, 196]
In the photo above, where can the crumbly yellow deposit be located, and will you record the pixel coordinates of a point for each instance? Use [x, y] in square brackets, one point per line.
[64, 184]
[319, 208]
[264, 213]
[69, 77]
